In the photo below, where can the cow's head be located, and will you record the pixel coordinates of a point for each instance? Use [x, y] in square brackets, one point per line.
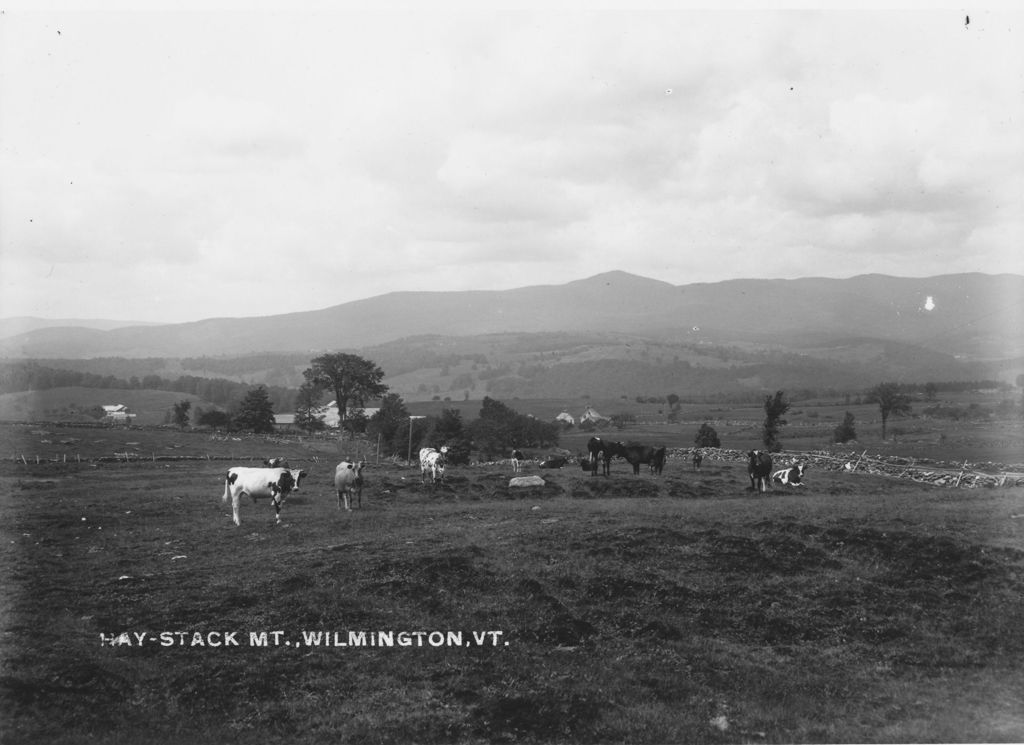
[296, 476]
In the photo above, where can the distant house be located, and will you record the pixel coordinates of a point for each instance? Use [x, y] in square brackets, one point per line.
[566, 418]
[591, 415]
[117, 413]
[330, 415]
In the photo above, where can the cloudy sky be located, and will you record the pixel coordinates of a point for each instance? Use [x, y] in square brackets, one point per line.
[173, 166]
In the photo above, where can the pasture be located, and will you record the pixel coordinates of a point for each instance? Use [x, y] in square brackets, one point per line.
[625, 609]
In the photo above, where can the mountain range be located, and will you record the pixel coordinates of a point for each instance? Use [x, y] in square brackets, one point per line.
[614, 334]
[974, 316]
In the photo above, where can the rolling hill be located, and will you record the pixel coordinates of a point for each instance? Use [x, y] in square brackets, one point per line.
[973, 316]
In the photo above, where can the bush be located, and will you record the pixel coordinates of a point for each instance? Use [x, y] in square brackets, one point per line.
[845, 431]
[707, 437]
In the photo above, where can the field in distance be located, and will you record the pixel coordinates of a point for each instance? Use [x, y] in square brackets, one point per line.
[591, 609]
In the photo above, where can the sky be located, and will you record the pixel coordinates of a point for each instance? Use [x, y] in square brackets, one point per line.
[173, 165]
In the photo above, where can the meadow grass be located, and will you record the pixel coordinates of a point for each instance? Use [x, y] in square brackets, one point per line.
[635, 609]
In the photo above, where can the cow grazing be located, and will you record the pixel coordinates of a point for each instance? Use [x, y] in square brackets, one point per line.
[517, 460]
[595, 447]
[348, 482]
[433, 461]
[635, 454]
[658, 461]
[759, 468]
[276, 483]
[792, 476]
[276, 463]
[698, 458]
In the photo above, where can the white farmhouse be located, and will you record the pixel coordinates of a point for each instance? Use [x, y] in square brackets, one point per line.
[117, 413]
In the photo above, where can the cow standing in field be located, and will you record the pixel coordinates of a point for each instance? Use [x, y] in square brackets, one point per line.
[595, 447]
[698, 458]
[635, 454]
[792, 476]
[276, 483]
[602, 452]
[433, 462]
[348, 482]
[276, 463]
[658, 461]
[759, 468]
[517, 460]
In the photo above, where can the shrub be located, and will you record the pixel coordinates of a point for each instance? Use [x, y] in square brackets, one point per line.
[845, 431]
[707, 437]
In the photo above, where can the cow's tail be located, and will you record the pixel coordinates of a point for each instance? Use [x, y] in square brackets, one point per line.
[227, 487]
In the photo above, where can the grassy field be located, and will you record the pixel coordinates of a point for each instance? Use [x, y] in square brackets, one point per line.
[629, 609]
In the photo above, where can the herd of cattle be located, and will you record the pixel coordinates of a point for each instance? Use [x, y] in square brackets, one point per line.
[276, 480]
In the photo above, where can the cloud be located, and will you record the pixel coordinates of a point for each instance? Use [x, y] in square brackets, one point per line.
[350, 154]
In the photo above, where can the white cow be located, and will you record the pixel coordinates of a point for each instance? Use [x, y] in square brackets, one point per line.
[276, 483]
[517, 460]
[348, 480]
[793, 476]
[432, 461]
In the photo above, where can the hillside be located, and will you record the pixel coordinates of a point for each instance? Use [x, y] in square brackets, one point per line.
[972, 316]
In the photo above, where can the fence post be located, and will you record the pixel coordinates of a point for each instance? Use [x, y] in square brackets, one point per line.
[962, 469]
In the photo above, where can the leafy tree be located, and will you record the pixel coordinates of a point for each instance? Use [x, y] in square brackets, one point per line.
[845, 432]
[493, 432]
[448, 429]
[180, 414]
[255, 411]
[351, 378]
[774, 407]
[449, 426]
[500, 427]
[707, 437]
[214, 418]
[391, 423]
[890, 399]
[307, 405]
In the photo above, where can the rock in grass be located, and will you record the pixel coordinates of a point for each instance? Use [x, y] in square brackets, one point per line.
[526, 481]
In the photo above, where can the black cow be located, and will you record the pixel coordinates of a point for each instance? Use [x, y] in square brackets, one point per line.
[635, 454]
[698, 457]
[759, 468]
[554, 461]
[658, 461]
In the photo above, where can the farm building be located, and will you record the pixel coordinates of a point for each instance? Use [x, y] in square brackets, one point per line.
[117, 413]
[329, 412]
[591, 415]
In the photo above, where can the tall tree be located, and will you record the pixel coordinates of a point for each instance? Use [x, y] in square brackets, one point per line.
[707, 437]
[391, 422]
[351, 378]
[890, 400]
[255, 411]
[307, 408]
[774, 407]
[181, 415]
[845, 431]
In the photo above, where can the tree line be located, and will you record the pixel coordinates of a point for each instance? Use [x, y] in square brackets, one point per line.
[32, 376]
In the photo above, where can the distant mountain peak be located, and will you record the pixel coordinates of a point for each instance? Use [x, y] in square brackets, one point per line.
[619, 278]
